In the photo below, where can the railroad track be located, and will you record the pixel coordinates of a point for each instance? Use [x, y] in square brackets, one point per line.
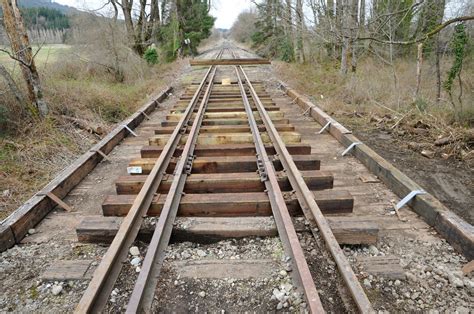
[222, 208]
[223, 142]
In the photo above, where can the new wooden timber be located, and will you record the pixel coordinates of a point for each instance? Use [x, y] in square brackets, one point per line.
[227, 129]
[452, 227]
[229, 108]
[347, 230]
[225, 182]
[15, 227]
[238, 61]
[227, 150]
[227, 164]
[224, 115]
[231, 204]
[226, 138]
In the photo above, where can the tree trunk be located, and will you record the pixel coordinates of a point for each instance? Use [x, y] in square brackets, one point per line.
[354, 25]
[345, 30]
[21, 48]
[299, 30]
[419, 64]
[438, 68]
[12, 85]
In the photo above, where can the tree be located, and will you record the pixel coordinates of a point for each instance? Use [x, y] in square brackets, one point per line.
[299, 31]
[22, 52]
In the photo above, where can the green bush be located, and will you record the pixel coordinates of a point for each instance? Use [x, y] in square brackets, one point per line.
[151, 55]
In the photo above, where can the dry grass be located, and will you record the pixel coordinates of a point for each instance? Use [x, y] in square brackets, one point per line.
[379, 96]
[32, 152]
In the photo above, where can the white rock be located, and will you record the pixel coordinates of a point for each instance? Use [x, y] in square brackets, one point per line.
[367, 283]
[373, 250]
[202, 294]
[283, 272]
[397, 282]
[455, 281]
[134, 251]
[56, 289]
[138, 269]
[201, 253]
[411, 277]
[287, 287]
[31, 231]
[279, 295]
[279, 306]
[136, 261]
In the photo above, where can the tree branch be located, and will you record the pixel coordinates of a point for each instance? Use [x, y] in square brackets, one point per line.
[434, 31]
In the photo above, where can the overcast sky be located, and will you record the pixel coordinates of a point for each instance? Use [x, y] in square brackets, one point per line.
[226, 11]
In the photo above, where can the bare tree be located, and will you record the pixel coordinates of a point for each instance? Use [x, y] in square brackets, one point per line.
[22, 52]
[143, 29]
[299, 31]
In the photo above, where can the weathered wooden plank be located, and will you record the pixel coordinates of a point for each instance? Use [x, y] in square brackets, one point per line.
[227, 108]
[38, 206]
[236, 61]
[452, 227]
[227, 122]
[227, 164]
[68, 270]
[7, 238]
[230, 204]
[226, 105]
[383, 266]
[224, 115]
[100, 229]
[227, 129]
[224, 182]
[227, 150]
[354, 230]
[225, 138]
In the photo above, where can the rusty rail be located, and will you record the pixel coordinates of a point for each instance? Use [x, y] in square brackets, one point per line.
[97, 293]
[286, 229]
[310, 209]
[143, 292]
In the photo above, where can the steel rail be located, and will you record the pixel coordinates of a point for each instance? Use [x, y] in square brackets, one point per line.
[286, 229]
[98, 291]
[310, 209]
[144, 290]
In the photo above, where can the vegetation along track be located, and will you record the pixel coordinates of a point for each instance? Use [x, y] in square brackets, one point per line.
[224, 210]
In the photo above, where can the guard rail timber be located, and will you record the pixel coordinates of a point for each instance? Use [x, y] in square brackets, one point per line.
[453, 228]
[14, 228]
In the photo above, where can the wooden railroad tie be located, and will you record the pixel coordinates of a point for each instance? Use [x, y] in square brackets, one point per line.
[230, 204]
[236, 61]
[347, 230]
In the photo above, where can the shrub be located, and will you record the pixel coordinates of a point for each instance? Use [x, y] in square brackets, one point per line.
[151, 55]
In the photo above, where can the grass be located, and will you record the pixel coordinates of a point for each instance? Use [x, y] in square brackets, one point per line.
[46, 55]
[381, 97]
[33, 151]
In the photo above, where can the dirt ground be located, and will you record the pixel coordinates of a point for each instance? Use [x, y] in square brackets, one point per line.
[451, 181]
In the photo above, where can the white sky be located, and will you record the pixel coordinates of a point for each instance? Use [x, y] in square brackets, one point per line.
[226, 11]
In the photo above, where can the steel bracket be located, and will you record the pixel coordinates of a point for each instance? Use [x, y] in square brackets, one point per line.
[348, 149]
[325, 127]
[130, 130]
[145, 114]
[408, 198]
